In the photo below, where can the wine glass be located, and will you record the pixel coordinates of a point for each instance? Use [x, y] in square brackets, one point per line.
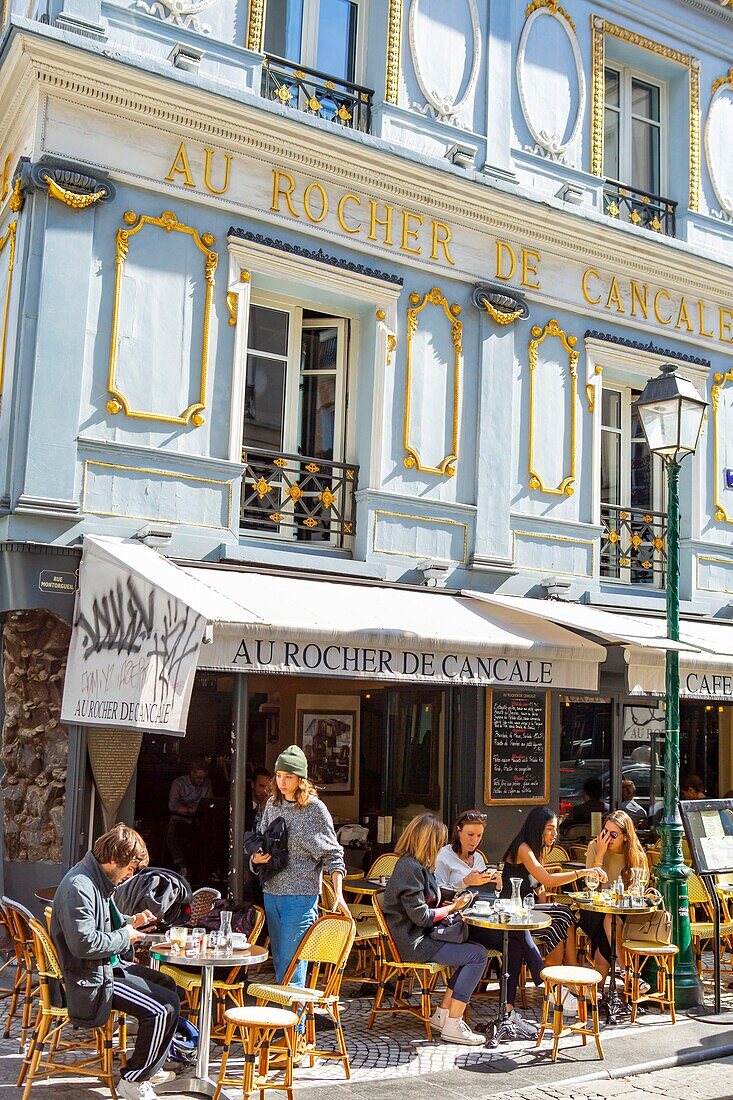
[528, 904]
[592, 879]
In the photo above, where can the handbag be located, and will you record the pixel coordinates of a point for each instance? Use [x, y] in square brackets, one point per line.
[452, 929]
[274, 842]
[654, 927]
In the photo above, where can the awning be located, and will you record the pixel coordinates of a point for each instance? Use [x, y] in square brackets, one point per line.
[143, 625]
[303, 626]
[705, 647]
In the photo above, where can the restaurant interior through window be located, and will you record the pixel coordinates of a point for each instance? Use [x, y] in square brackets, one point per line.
[378, 756]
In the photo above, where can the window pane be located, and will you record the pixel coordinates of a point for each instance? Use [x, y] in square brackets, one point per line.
[610, 468]
[264, 403]
[317, 415]
[336, 54]
[645, 100]
[268, 330]
[319, 349]
[642, 490]
[611, 168]
[611, 409]
[612, 88]
[645, 157]
[284, 28]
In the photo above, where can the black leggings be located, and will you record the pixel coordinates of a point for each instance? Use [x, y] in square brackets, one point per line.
[593, 924]
[522, 949]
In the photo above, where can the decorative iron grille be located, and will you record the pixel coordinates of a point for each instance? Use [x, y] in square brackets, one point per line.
[639, 207]
[633, 544]
[316, 93]
[293, 497]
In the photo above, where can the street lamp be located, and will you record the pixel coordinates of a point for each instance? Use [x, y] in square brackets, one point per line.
[671, 413]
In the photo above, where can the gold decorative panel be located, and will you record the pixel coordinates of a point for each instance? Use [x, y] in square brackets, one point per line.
[7, 239]
[601, 29]
[552, 330]
[256, 25]
[720, 381]
[436, 298]
[169, 223]
[394, 45]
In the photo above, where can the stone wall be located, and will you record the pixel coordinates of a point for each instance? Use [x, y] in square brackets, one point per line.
[34, 743]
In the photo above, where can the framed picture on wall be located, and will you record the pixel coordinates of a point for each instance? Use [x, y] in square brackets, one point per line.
[327, 739]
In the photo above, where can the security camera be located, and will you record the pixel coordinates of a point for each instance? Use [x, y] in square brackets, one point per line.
[208, 637]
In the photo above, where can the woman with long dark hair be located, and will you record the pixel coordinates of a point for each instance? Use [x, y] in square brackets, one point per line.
[460, 865]
[524, 860]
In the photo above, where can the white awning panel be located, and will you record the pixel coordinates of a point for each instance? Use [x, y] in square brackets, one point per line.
[361, 630]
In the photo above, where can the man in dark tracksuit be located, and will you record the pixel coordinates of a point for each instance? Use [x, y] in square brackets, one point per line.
[91, 935]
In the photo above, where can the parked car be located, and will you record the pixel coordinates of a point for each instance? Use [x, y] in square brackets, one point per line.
[574, 773]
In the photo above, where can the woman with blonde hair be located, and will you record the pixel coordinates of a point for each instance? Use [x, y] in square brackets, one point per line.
[412, 909]
[616, 851]
[291, 894]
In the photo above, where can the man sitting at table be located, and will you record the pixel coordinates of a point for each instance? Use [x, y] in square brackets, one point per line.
[94, 941]
[592, 803]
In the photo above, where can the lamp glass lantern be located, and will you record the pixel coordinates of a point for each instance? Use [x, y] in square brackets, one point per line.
[671, 413]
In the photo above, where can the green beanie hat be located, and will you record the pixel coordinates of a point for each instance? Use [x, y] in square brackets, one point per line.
[293, 760]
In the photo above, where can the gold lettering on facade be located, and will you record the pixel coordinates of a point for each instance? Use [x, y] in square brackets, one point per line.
[683, 316]
[385, 222]
[614, 296]
[504, 253]
[278, 191]
[340, 213]
[322, 198]
[701, 321]
[181, 167]
[441, 239]
[640, 298]
[584, 286]
[409, 234]
[657, 298]
[725, 322]
[208, 158]
[530, 268]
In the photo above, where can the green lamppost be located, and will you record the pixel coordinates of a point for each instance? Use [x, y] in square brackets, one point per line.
[671, 413]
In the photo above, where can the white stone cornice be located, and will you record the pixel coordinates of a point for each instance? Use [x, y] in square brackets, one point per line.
[45, 66]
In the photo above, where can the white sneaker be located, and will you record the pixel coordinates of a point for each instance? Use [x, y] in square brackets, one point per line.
[135, 1090]
[570, 1005]
[439, 1017]
[456, 1030]
[162, 1077]
[523, 1029]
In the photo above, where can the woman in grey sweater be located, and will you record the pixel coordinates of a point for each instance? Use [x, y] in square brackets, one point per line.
[412, 909]
[291, 895]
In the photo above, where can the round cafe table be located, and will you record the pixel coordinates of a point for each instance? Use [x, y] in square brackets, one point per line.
[363, 886]
[201, 1084]
[612, 1005]
[503, 1030]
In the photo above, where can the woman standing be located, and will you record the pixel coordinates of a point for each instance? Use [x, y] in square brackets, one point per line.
[291, 894]
[615, 852]
[412, 908]
[461, 866]
[523, 860]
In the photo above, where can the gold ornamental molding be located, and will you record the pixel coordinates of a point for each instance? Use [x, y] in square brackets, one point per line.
[204, 242]
[394, 46]
[71, 198]
[434, 297]
[720, 381]
[552, 6]
[256, 26]
[8, 239]
[600, 30]
[590, 389]
[552, 330]
[722, 81]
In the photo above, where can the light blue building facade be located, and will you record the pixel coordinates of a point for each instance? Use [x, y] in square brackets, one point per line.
[365, 290]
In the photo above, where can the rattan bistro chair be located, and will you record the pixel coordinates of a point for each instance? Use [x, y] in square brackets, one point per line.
[47, 1054]
[702, 923]
[393, 968]
[25, 986]
[325, 947]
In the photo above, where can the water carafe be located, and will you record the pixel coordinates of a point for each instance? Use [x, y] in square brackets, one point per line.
[225, 931]
[515, 901]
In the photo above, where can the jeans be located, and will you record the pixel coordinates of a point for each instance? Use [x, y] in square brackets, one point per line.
[289, 916]
[470, 960]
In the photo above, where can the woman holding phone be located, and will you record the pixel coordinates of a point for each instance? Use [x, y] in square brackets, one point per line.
[459, 866]
[412, 908]
[615, 852]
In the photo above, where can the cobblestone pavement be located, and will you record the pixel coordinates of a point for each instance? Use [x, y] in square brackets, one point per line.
[396, 1059]
[706, 1081]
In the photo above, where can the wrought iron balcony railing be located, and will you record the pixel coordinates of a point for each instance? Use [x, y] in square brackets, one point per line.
[293, 497]
[633, 544]
[316, 93]
[639, 207]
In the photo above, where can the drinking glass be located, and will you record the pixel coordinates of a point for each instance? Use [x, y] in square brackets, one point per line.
[528, 905]
[592, 879]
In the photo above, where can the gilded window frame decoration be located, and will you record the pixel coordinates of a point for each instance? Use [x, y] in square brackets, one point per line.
[552, 330]
[600, 28]
[9, 238]
[435, 297]
[720, 381]
[256, 25]
[204, 242]
[394, 46]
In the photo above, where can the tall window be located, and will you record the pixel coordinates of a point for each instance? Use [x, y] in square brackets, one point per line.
[318, 34]
[633, 150]
[631, 492]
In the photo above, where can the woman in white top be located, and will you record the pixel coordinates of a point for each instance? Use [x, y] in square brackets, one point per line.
[461, 866]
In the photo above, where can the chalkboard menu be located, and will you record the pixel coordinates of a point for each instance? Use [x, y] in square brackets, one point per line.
[517, 768]
[709, 827]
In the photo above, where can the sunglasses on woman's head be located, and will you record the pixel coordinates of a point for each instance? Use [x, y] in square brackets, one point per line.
[472, 816]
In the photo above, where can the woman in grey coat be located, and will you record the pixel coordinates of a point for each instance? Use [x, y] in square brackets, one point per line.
[412, 909]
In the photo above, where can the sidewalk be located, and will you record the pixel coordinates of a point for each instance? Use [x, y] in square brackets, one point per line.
[396, 1058]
